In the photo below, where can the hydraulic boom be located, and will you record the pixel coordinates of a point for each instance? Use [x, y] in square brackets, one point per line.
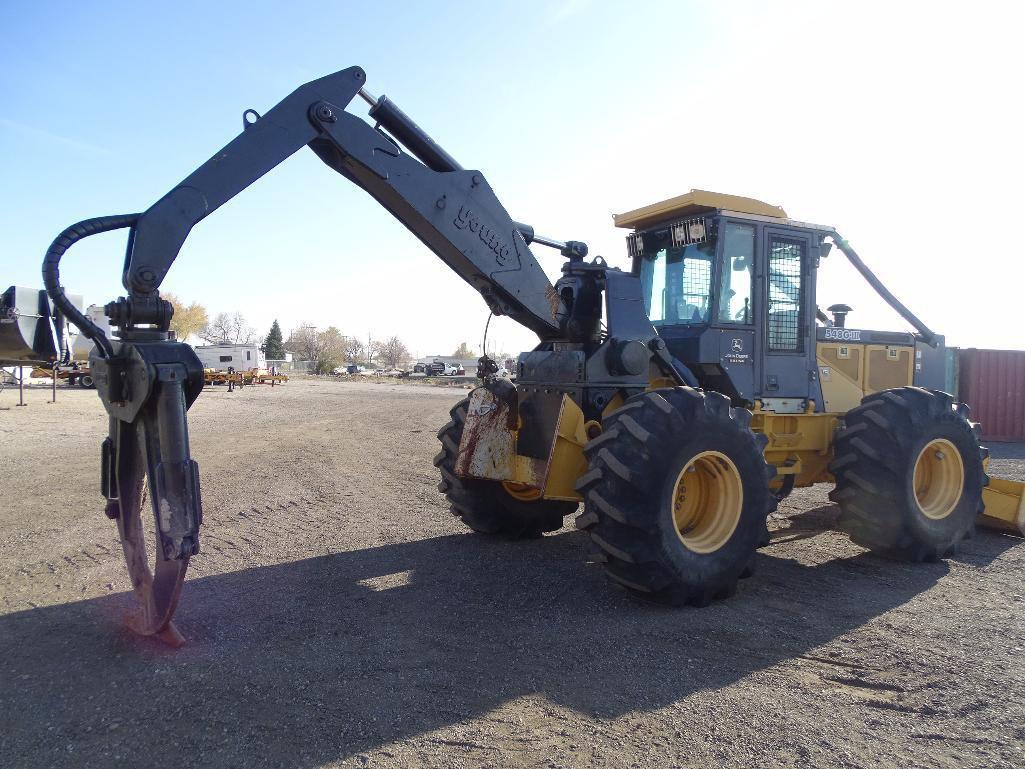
[147, 380]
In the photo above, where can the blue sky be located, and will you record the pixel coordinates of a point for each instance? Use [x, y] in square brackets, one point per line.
[898, 123]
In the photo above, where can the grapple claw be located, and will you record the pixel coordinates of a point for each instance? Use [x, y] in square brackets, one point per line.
[146, 459]
[157, 592]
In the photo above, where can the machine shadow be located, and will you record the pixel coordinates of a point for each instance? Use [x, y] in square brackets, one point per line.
[319, 659]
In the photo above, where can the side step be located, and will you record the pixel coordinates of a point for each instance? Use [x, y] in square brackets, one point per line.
[1005, 506]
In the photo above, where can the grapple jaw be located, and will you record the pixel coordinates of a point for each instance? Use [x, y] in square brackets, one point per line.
[147, 387]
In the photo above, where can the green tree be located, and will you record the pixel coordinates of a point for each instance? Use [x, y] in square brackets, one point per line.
[188, 319]
[274, 344]
[332, 350]
[464, 351]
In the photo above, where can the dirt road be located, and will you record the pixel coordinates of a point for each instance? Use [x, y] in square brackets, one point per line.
[340, 616]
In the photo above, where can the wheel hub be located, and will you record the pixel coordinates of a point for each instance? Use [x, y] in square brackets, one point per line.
[707, 500]
[939, 479]
[521, 491]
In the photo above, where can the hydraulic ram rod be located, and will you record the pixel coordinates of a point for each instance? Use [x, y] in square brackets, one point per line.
[415, 139]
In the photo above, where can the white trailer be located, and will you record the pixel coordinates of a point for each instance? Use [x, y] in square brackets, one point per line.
[240, 357]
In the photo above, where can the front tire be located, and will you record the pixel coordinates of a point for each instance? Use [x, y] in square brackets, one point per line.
[677, 495]
[909, 475]
[487, 506]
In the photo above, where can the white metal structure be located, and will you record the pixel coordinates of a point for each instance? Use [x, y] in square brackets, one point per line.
[240, 357]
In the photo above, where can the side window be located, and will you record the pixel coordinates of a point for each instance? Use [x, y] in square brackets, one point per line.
[737, 274]
[653, 283]
[225, 359]
[249, 355]
[785, 260]
[691, 279]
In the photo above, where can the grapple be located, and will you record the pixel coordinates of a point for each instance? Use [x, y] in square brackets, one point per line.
[146, 389]
[146, 381]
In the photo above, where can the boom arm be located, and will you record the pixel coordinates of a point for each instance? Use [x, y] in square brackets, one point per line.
[147, 381]
[454, 212]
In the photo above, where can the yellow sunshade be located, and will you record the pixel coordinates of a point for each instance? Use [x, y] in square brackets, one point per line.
[695, 202]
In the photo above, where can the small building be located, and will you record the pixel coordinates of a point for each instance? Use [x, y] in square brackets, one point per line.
[240, 357]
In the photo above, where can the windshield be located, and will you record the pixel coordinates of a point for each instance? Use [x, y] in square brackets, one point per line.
[677, 284]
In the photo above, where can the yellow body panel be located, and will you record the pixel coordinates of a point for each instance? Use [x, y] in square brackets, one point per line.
[1005, 505]
[848, 372]
[567, 462]
[887, 367]
[799, 444]
[695, 202]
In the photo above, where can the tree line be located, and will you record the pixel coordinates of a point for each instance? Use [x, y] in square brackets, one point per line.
[325, 349]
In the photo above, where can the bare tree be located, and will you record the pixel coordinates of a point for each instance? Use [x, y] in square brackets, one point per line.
[354, 350]
[304, 342]
[325, 350]
[373, 348]
[394, 354]
[231, 329]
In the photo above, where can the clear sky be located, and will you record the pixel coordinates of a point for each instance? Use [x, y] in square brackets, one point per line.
[899, 123]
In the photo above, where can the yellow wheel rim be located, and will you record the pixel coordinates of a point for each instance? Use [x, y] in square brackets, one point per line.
[939, 479]
[521, 491]
[707, 500]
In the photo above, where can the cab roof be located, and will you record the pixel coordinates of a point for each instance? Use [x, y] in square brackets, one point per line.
[693, 203]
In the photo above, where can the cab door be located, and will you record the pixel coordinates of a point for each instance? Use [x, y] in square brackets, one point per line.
[788, 371]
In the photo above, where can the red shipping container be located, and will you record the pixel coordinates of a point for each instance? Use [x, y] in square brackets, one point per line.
[992, 383]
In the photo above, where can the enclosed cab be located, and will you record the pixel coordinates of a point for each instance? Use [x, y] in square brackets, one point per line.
[729, 283]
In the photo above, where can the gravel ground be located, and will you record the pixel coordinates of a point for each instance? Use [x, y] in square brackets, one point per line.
[339, 616]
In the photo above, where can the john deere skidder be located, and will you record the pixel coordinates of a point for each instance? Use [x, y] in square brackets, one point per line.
[677, 401]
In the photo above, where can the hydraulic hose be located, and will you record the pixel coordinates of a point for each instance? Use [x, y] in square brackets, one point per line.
[927, 334]
[51, 273]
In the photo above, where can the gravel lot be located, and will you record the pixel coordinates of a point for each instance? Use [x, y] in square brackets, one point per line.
[340, 616]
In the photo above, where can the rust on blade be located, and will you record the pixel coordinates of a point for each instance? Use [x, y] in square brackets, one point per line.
[487, 448]
[157, 591]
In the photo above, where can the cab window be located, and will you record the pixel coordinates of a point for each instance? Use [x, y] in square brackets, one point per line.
[677, 284]
[736, 275]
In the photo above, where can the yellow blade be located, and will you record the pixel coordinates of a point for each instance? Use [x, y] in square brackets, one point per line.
[1005, 506]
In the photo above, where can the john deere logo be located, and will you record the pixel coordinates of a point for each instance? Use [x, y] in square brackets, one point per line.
[738, 345]
[466, 220]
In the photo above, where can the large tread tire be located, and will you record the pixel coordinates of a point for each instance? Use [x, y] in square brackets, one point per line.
[628, 494]
[485, 506]
[874, 464]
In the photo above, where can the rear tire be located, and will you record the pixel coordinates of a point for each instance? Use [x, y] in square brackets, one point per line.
[86, 382]
[485, 506]
[677, 495]
[909, 477]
